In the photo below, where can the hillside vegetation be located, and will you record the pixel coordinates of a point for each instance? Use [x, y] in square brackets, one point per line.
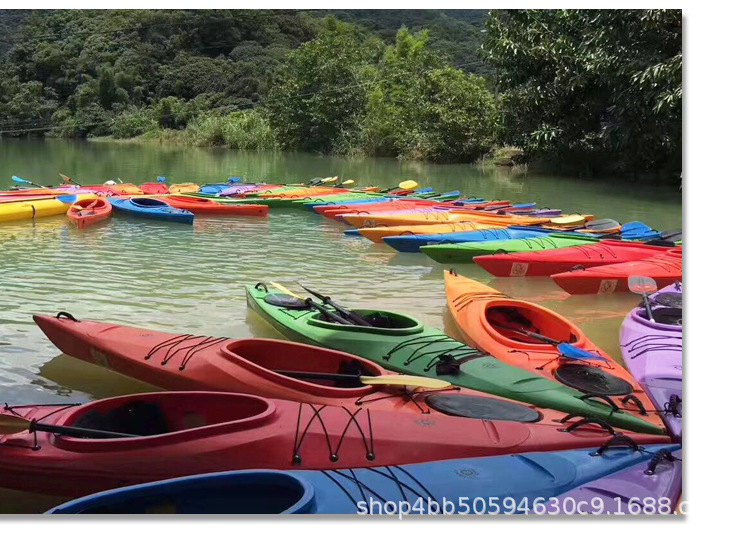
[587, 90]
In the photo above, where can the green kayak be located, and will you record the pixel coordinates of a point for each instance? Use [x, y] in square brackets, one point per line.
[403, 344]
[464, 252]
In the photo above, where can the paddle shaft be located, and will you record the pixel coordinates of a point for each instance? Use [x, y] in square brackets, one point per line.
[356, 317]
[534, 335]
[76, 431]
[319, 376]
[309, 302]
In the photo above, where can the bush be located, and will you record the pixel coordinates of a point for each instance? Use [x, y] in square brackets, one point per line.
[238, 130]
[133, 122]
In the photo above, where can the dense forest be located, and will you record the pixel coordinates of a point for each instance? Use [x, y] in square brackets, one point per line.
[587, 90]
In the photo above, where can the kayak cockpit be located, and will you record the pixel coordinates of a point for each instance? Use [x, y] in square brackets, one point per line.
[161, 418]
[253, 492]
[383, 323]
[268, 358]
[148, 203]
[518, 324]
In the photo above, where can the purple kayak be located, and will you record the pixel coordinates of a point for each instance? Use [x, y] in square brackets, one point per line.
[652, 352]
[239, 189]
[650, 487]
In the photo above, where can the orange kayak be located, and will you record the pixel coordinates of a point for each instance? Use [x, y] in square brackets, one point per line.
[305, 192]
[441, 217]
[184, 188]
[511, 330]
[85, 212]
[208, 206]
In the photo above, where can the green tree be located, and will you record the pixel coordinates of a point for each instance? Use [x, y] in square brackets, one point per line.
[601, 88]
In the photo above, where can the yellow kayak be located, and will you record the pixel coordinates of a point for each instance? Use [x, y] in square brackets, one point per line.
[440, 217]
[29, 210]
[184, 188]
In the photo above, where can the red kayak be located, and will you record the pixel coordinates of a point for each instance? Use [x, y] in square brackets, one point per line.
[174, 434]
[208, 206]
[665, 269]
[154, 188]
[187, 362]
[86, 212]
[334, 209]
[548, 262]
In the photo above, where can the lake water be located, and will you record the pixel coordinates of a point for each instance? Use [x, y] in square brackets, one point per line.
[184, 279]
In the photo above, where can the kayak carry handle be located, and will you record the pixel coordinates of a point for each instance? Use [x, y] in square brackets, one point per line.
[606, 399]
[585, 421]
[263, 285]
[637, 402]
[67, 316]
[660, 456]
[618, 439]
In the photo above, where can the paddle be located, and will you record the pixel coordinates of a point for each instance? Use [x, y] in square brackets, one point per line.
[309, 302]
[356, 317]
[389, 380]
[403, 185]
[565, 349]
[10, 424]
[19, 180]
[161, 179]
[643, 285]
[68, 179]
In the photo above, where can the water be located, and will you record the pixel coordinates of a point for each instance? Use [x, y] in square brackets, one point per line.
[183, 279]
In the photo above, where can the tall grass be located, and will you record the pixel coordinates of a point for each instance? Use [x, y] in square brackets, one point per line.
[238, 130]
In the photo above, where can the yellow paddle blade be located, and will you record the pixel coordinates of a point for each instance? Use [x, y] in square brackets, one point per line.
[408, 185]
[570, 220]
[348, 182]
[329, 180]
[405, 380]
[285, 290]
[13, 424]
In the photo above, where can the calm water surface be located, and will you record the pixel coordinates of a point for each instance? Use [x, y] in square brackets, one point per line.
[183, 279]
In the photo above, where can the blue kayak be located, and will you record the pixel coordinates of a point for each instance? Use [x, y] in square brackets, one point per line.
[411, 243]
[153, 209]
[484, 483]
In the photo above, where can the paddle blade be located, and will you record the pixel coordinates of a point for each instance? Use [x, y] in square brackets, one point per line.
[329, 180]
[408, 185]
[161, 179]
[574, 353]
[13, 424]
[405, 380]
[67, 199]
[641, 285]
[19, 180]
[285, 290]
[64, 177]
[348, 182]
[234, 179]
[603, 224]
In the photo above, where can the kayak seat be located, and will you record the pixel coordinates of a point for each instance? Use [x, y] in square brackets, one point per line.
[512, 322]
[670, 316]
[484, 408]
[138, 418]
[350, 368]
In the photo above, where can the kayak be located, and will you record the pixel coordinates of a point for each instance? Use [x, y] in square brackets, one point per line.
[30, 210]
[403, 344]
[453, 216]
[84, 213]
[652, 351]
[548, 262]
[665, 269]
[333, 209]
[426, 488]
[412, 243]
[514, 331]
[377, 234]
[188, 362]
[626, 491]
[299, 201]
[183, 188]
[153, 209]
[125, 189]
[173, 434]
[154, 188]
[466, 252]
[207, 206]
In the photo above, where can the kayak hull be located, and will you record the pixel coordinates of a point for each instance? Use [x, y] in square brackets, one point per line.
[85, 213]
[362, 491]
[665, 269]
[207, 206]
[202, 432]
[152, 209]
